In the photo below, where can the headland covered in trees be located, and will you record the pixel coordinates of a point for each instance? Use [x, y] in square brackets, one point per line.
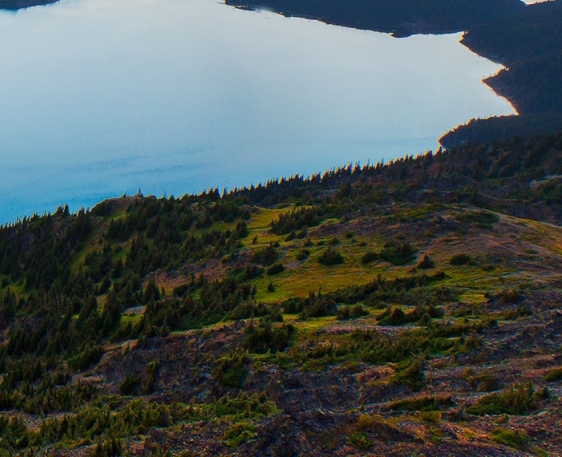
[397, 309]
[14, 5]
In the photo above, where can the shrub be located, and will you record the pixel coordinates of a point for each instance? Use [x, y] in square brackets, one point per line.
[361, 440]
[303, 233]
[242, 229]
[250, 309]
[483, 382]
[296, 220]
[240, 433]
[459, 259]
[344, 313]
[291, 236]
[265, 256]
[275, 269]
[230, 369]
[330, 257]
[521, 311]
[369, 257]
[181, 290]
[252, 271]
[513, 438]
[423, 403]
[87, 357]
[398, 253]
[129, 385]
[511, 295]
[394, 317]
[151, 373]
[410, 374]
[292, 306]
[265, 337]
[319, 306]
[426, 263]
[554, 375]
[422, 314]
[519, 400]
[303, 255]
[431, 417]
[347, 312]
[483, 218]
[110, 447]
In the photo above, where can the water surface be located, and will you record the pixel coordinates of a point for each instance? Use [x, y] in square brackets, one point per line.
[103, 97]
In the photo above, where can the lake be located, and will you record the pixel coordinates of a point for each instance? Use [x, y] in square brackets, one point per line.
[103, 97]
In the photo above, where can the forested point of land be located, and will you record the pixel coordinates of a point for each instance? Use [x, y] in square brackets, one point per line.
[493, 128]
[19, 4]
[529, 45]
[398, 308]
[400, 17]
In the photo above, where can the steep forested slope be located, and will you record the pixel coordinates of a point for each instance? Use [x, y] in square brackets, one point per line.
[400, 308]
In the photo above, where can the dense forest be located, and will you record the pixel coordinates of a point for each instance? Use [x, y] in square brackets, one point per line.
[529, 45]
[489, 129]
[336, 304]
[400, 17]
[18, 4]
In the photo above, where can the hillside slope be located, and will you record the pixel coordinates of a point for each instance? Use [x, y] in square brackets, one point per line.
[412, 307]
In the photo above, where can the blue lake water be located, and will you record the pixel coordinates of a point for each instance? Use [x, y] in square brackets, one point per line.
[103, 97]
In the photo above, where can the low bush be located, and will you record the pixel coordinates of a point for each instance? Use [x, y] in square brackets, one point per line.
[90, 355]
[369, 257]
[303, 255]
[426, 263]
[331, 257]
[554, 375]
[459, 259]
[275, 269]
[361, 441]
[252, 271]
[484, 382]
[513, 438]
[265, 337]
[482, 218]
[230, 369]
[423, 403]
[422, 314]
[398, 253]
[319, 306]
[409, 373]
[129, 385]
[240, 433]
[511, 295]
[333, 242]
[266, 256]
[520, 399]
[351, 312]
